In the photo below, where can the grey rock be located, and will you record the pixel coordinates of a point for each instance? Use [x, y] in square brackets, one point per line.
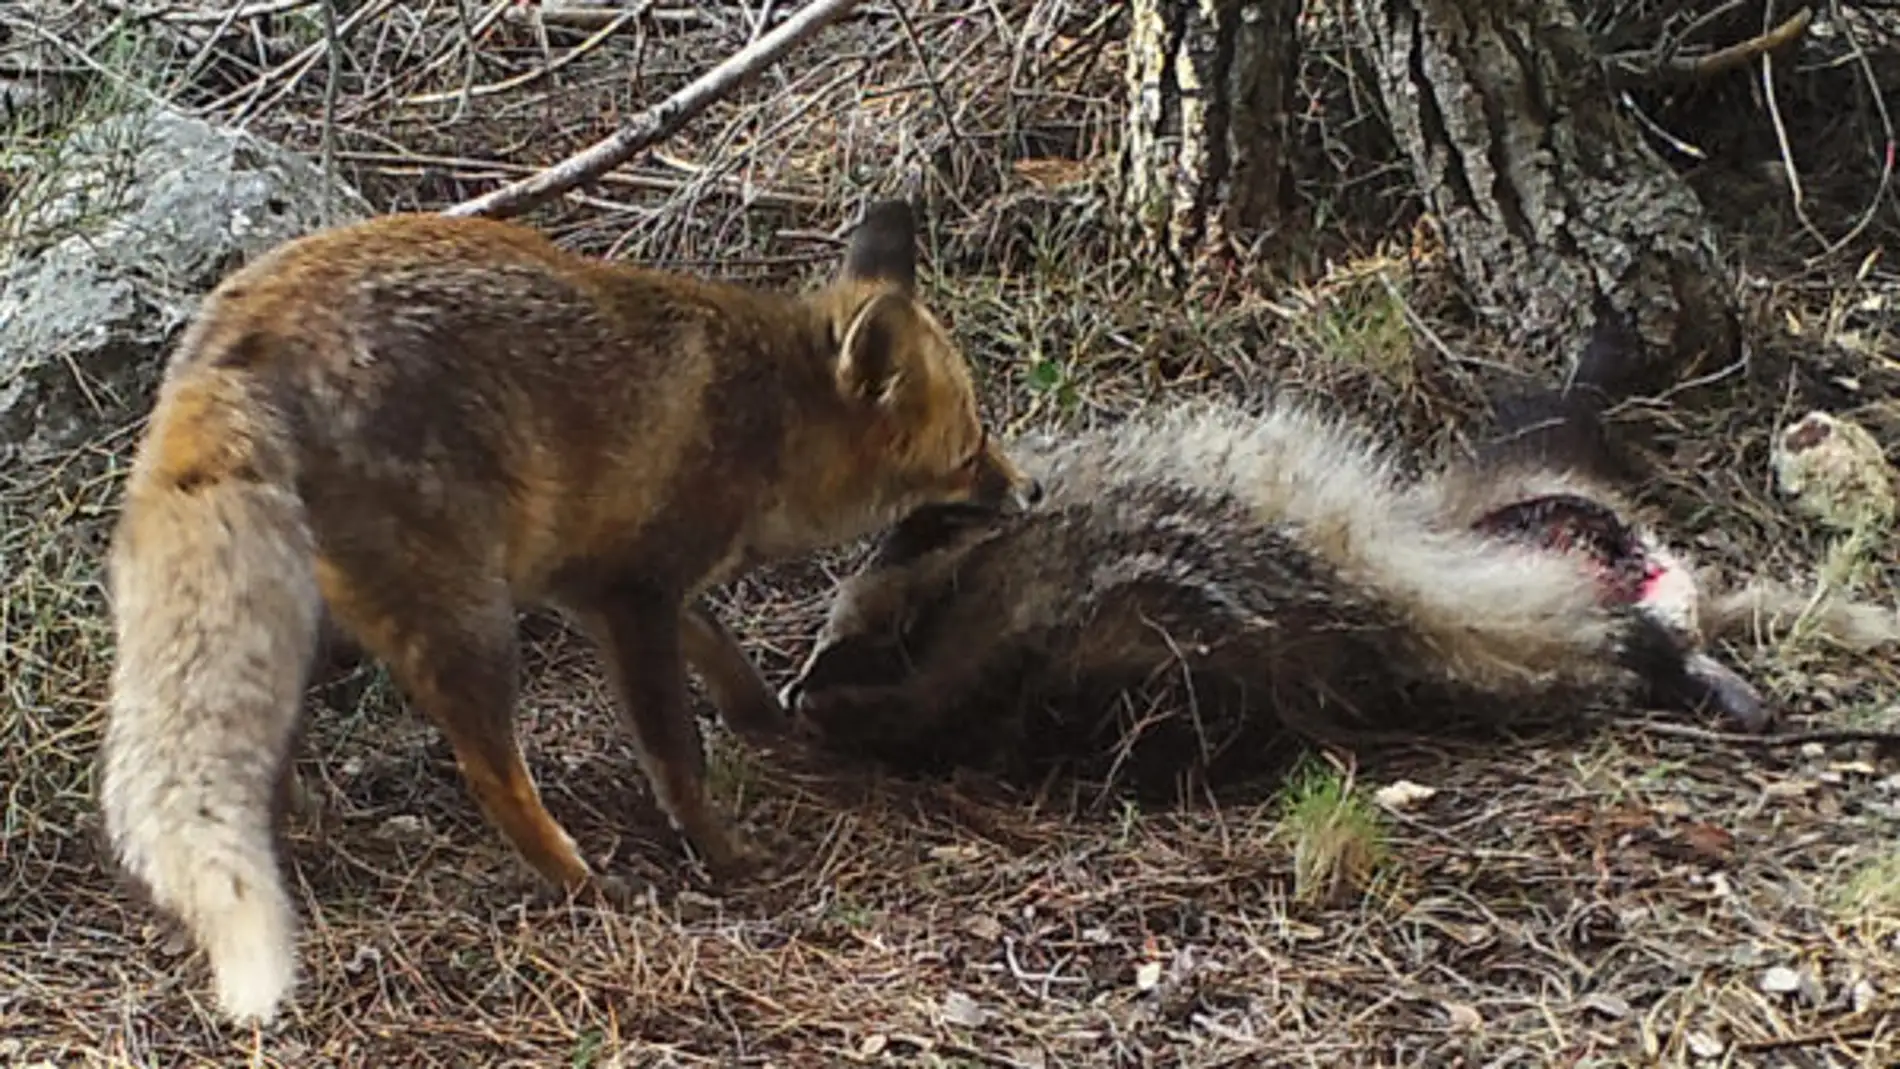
[107, 251]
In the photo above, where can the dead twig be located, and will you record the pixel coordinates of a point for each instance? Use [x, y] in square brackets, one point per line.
[1879, 97]
[468, 41]
[590, 18]
[1793, 738]
[1636, 69]
[658, 122]
[1808, 1039]
[476, 170]
[219, 18]
[621, 18]
[1790, 170]
[334, 48]
[1727, 59]
[292, 70]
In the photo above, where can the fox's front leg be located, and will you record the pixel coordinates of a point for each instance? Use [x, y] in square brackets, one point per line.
[744, 699]
[639, 629]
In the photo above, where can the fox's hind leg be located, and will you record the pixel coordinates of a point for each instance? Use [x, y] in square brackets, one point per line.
[455, 658]
[639, 628]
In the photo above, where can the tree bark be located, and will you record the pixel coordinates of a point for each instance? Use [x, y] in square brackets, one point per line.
[1550, 201]
[1204, 159]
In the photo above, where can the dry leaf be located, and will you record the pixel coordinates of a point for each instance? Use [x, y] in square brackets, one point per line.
[1780, 980]
[1709, 841]
[1402, 795]
[1464, 1018]
[1703, 1045]
[961, 1009]
[1051, 172]
[984, 927]
[1608, 1005]
[1147, 975]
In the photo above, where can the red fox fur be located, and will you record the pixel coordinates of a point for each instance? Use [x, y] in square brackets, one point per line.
[420, 423]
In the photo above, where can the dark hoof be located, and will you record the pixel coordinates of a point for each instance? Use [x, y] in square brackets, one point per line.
[1736, 700]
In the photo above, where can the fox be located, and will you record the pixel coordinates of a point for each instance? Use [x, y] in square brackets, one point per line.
[397, 433]
[1278, 561]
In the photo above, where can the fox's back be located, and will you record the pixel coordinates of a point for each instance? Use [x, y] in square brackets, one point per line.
[471, 374]
[418, 321]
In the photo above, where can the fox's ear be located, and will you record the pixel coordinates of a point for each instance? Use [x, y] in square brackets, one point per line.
[884, 245]
[874, 353]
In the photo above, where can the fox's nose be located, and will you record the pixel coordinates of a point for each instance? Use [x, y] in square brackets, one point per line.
[1023, 496]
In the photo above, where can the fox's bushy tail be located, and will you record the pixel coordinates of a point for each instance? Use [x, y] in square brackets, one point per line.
[215, 609]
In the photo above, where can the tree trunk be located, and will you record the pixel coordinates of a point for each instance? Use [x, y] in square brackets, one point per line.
[1549, 199]
[1204, 160]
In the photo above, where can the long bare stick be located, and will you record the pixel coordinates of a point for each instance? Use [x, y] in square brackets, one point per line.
[658, 122]
[334, 47]
[1735, 55]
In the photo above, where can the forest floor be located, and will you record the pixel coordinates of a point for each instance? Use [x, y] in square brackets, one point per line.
[1630, 891]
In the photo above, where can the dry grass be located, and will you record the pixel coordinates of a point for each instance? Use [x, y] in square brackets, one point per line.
[1616, 896]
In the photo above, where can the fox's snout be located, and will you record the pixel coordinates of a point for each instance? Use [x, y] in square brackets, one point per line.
[1000, 483]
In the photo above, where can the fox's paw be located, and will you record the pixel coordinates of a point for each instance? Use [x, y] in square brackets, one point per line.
[763, 726]
[618, 892]
[735, 860]
[774, 852]
[748, 858]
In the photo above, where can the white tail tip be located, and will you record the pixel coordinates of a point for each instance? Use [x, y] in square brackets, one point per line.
[253, 959]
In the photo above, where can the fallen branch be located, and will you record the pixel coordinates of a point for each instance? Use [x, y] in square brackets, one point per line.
[1630, 73]
[412, 164]
[1727, 59]
[590, 18]
[1884, 739]
[333, 47]
[621, 17]
[658, 122]
[248, 11]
